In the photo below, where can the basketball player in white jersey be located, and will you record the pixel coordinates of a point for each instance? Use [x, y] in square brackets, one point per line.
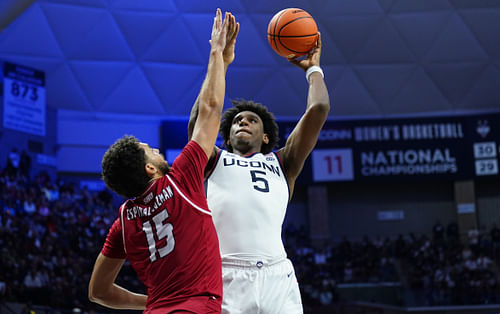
[249, 187]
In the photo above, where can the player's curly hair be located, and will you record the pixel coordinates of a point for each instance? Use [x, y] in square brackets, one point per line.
[270, 126]
[123, 167]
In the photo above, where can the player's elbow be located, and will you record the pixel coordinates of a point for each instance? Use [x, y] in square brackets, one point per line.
[215, 102]
[92, 295]
[93, 298]
[212, 106]
[320, 108]
[96, 294]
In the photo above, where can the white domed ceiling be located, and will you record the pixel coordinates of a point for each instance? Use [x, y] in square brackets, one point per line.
[380, 57]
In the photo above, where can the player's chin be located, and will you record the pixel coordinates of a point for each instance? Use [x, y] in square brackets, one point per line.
[243, 140]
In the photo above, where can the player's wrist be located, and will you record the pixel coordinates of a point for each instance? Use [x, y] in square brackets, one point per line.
[216, 50]
[314, 69]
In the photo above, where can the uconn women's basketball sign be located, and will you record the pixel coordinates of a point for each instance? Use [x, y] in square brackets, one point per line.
[449, 148]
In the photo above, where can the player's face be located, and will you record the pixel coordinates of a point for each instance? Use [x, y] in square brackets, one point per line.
[247, 132]
[154, 157]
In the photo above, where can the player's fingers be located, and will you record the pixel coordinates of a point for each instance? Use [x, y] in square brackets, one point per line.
[231, 22]
[293, 60]
[226, 18]
[218, 16]
[236, 31]
[214, 25]
[229, 25]
[220, 22]
[233, 29]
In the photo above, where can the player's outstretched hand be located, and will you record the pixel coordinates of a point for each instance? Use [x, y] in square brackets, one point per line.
[219, 31]
[232, 33]
[311, 59]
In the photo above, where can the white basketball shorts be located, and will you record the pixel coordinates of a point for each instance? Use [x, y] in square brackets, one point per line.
[260, 287]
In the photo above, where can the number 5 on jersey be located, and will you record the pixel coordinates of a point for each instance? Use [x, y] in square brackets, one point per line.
[258, 177]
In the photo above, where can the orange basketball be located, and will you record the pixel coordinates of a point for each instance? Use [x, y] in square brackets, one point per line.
[292, 32]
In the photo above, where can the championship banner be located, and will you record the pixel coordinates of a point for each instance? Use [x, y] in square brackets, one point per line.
[447, 148]
[24, 99]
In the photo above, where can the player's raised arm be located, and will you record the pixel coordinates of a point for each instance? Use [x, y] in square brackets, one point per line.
[304, 136]
[211, 97]
[228, 57]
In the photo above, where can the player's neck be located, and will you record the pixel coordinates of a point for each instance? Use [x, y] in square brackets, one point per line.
[245, 151]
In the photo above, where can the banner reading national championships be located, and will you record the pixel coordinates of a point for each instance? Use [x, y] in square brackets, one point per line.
[454, 148]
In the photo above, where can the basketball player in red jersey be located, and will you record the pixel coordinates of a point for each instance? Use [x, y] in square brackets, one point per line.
[248, 190]
[165, 228]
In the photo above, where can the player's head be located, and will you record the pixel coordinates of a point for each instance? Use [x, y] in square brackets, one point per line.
[263, 134]
[128, 166]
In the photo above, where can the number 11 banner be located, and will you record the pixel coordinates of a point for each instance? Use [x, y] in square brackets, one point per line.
[332, 165]
[24, 99]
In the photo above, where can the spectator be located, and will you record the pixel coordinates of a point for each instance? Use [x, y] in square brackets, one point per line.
[473, 240]
[438, 231]
[25, 164]
[13, 161]
[452, 231]
[29, 206]
[495, 240]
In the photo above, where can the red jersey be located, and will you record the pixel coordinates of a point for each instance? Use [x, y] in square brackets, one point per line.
[169, 237]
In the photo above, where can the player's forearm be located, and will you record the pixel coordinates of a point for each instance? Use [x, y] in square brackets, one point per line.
[213, 88]
[119, 298]
[317, 96]
[193, 117]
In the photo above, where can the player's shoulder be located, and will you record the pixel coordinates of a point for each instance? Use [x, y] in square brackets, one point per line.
[192, 153]
[193, 147]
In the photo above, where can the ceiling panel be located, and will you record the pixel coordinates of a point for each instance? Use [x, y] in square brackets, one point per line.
[381, 58]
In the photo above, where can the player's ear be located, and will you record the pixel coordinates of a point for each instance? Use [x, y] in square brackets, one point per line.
[228, 143]
[151, 169]
[265, 138]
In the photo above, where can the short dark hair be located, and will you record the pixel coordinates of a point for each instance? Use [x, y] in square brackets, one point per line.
[123, 167]
[270, 126]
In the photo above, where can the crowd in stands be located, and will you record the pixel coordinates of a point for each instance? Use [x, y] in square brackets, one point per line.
[445, 269]
[320, 271]
[50, 234]
[51, 231]
[441, 269]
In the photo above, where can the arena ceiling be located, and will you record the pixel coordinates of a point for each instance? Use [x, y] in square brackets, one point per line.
[381, 58]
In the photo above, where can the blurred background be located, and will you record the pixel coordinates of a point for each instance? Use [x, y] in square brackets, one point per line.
[397, 209]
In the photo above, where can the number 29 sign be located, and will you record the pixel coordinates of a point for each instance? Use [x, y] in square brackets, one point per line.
[332, 165]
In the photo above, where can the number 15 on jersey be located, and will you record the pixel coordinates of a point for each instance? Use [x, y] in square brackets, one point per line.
[332, 165]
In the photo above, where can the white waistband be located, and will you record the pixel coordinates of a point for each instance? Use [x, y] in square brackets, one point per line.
[252, 262]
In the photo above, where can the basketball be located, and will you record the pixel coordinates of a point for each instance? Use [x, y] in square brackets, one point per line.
[292, 32]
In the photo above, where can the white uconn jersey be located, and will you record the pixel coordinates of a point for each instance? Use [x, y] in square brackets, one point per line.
[248, 197]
